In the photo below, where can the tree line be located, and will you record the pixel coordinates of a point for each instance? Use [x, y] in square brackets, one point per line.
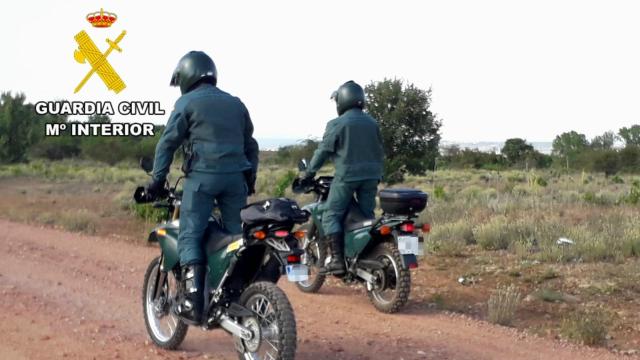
[608, 153]
[410, 132]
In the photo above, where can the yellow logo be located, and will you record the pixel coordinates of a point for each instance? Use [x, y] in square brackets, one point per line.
[87, 50]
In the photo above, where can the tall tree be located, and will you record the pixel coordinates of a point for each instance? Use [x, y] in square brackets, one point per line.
[604, 141]
[16, 122]
[410, 131]
[516, 150]
[630, 135]
[569, 144]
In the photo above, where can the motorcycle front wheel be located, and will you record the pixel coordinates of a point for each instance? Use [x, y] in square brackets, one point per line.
[164, 328]
[273, 322]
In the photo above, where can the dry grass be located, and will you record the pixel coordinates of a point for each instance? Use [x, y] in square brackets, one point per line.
[503, 304]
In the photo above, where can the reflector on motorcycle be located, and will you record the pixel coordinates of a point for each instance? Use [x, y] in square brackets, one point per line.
[293, 259]
[426, 228]
[385, 230]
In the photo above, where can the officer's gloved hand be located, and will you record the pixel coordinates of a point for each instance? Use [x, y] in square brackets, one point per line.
[306, 178]
[250, 177]
[156, 189]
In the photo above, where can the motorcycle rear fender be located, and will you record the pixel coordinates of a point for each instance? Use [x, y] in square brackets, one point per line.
[361, 241]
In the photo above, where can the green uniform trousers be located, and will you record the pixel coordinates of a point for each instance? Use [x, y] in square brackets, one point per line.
[201, 191]
[339, 200]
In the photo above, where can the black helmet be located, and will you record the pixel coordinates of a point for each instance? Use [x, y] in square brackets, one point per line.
[193, 67]
[348, 96]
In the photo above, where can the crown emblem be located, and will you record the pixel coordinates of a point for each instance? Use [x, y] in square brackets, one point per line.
[101, 19]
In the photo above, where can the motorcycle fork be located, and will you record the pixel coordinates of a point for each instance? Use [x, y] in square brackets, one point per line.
[161, 277]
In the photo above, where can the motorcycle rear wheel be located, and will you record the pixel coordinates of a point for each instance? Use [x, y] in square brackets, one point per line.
[314, 256]
[274, 315]
[391, 292]
[164, 328]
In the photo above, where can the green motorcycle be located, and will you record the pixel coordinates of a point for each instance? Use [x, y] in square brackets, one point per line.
[378, 252]
[241, 297]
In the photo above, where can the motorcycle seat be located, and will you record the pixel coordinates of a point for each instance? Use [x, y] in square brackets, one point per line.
[217, 238]
[355, 219]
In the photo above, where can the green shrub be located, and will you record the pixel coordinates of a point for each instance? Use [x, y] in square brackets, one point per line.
[541, 182]
[79, 221]
[148, 212]
[499, 233]
[438, 192]
[617, 180]
[284, 183]
[549, 295]
[450, 239]
[586, 327]
[633, 197]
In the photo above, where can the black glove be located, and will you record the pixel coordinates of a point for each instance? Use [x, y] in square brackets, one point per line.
[250, 178]
[157, 189]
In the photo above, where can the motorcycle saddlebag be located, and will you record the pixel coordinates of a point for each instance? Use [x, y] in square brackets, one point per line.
[402, 201]
[273, 211]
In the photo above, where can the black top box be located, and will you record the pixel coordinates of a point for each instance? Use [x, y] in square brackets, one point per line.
[402, 201]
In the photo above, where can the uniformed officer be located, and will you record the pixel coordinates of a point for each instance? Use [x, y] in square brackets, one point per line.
[354, 143]
[220, 165]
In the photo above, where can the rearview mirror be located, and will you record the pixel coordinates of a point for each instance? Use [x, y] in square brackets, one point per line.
[302, 165]
[146, 164]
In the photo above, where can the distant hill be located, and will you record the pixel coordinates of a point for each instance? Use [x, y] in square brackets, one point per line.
[488, 146]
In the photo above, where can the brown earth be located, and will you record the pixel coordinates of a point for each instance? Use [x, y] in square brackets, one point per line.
[73, 296]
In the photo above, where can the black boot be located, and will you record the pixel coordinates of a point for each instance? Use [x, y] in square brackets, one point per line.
[191, 303]
[336, 265]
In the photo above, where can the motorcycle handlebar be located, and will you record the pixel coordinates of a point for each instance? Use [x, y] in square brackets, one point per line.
[301, 185]
[141, 196]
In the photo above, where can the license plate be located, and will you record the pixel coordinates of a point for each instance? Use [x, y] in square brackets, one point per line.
[409, 245]
[297, 272]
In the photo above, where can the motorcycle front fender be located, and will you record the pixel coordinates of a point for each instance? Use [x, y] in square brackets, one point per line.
[167, 236]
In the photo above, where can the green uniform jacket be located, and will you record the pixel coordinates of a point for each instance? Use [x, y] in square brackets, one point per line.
[217, 128]
[354, 143]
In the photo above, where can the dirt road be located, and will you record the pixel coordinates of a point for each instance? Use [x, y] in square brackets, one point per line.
[71, 296]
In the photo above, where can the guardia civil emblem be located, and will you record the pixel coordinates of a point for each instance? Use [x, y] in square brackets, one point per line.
[88, 52]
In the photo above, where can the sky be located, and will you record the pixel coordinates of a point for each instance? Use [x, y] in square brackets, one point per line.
[498, 69]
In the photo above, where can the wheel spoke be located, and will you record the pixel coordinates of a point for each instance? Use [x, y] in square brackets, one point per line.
[163, 325]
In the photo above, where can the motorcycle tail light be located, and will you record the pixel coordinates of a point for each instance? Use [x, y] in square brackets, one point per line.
[293, 259]
[413, 266]
[408, 227]
[260, 235]
[281, 233]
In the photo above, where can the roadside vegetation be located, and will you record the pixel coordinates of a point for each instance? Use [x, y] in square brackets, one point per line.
[549, 243]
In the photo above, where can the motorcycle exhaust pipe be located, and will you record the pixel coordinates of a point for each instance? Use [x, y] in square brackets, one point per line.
[232, 327]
